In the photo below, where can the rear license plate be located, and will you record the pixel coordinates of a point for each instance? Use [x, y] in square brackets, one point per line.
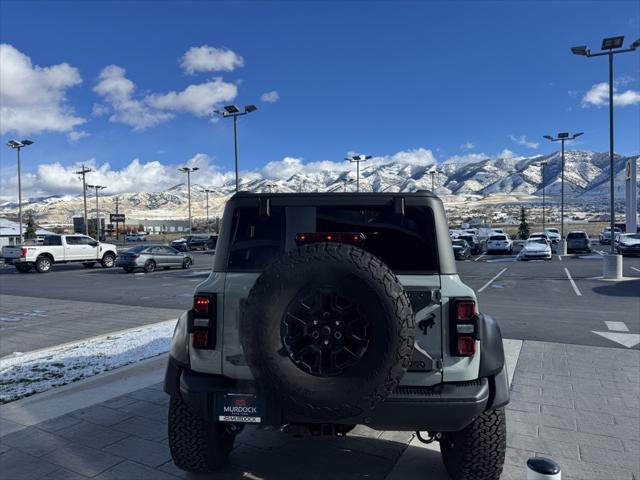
[239, 408]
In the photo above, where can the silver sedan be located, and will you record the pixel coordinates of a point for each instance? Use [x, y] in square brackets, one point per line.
[152, 257]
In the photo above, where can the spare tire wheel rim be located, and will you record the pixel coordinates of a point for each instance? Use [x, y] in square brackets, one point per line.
[324, 333]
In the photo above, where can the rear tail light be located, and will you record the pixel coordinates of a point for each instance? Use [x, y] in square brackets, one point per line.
[203, 322]
[463, 327]
[354, 238]
[23, 252]
[135, 255]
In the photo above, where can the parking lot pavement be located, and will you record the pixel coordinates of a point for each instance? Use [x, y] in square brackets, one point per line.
[561, 300]
[577, 404]
[31, 323]
[161, 289]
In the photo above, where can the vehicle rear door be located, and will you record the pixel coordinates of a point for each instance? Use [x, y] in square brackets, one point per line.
[170, 256]
[74, 248]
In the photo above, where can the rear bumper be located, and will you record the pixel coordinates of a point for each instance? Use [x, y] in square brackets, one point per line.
[443, 407]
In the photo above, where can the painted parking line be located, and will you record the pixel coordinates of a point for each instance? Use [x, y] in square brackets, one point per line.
[617, 326]
[478, 258]
[573, 284]
[560, 257]
[492, 280]
[636, 269]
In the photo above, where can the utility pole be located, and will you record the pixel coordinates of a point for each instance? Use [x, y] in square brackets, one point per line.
[357, 159]
[432, 173]
[188, 171]
[97, 188]
[83, 171]
[117, 222]
[543, 164]
[207, 191]
[17, 146]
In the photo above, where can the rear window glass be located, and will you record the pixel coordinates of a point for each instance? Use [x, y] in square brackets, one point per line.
[52, 240]
[406, 243]
[497, 237]
[576, 235]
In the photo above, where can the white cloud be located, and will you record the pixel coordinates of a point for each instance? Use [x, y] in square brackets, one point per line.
[76, 135]
[99, 110]
[117, 91]
[270, 97]
[466, 159]
[210, 59]
[507, 154]
[522, 140]
[598, 96]
[200, 100]
[32, 98]
[467, 146]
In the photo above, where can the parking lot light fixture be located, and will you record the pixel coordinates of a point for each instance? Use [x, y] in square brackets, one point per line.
[610, 46]
[207, 191]
[189, 171]
[97, 189]
[562, 137]
[233, 111]
[357, 159]
[17, 146]
[543, 164]
[83, 171]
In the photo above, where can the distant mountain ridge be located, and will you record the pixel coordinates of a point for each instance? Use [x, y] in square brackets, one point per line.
[586, 181]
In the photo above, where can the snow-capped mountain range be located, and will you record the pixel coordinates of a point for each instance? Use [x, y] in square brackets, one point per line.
[514, 179]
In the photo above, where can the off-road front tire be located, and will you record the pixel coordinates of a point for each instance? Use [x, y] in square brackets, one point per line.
[196, 445]
[108, 260]
[477, 451]
[43, 264]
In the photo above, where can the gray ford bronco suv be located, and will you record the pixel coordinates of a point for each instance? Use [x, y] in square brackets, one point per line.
[329, 310]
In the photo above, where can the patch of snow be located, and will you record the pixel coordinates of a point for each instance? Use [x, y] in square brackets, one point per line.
[25, 374]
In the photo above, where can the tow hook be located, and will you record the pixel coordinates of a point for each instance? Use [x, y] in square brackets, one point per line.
[433, 437]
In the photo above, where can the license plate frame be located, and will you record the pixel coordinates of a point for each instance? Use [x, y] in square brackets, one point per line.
[239, 408]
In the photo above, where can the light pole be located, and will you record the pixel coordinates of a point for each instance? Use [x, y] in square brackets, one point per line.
[208, 191]
[347, 181]
[233, 111]
[562, 137]
[188, 171]
[83, 171]
[97, 188]
[544, 215]
[432, 172]
[16, 145]
[611, 46]
[357, 159]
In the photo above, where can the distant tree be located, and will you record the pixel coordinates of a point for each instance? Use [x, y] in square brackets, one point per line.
[30, 233]
[523, 227]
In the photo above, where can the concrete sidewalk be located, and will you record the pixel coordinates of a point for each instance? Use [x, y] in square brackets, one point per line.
[31, 323]
[579, 405]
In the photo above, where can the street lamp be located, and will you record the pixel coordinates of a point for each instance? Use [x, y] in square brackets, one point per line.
[83, 171]
[543, 164]
[347, 181]
[97, 188]
[562, 137]
[357, 159]
[233, 111]
[208, 191]
[188, 171]
[16, 145]
[432, 172]
[611, 46]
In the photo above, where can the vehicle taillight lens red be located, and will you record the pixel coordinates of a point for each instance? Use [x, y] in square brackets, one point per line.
[466, 346]
[23, 252]
[201, 305]
[355, 238]
[201, 338]
[465, 310]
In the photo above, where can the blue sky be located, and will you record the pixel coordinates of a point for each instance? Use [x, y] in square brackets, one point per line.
[448, 78]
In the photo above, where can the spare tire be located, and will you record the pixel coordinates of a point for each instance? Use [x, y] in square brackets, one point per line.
[328, 331]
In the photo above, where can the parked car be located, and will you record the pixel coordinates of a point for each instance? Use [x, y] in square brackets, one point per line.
[540, 235]
[135, 237]
[605, 235]
[499, 230]
[499, 243]
[578, 241]
[302, 290]
[473, 241]
[628, 243]
[553, 233]
[152, 257]
[536, 248]
[195, 242]
[60, 249]
[461, 249]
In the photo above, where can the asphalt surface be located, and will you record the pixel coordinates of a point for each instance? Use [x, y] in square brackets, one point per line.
[532, 300]
[161, 289]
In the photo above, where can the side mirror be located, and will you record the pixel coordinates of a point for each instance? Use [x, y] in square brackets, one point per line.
[94, 244]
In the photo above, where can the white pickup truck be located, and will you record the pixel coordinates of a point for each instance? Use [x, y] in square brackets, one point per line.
[60, 249]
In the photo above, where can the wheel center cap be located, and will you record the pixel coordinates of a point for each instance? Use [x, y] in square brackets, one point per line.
[326, 331]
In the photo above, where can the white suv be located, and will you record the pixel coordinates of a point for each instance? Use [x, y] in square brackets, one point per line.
[499, 243]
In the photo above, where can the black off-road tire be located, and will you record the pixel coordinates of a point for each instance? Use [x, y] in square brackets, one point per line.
[149, 266]
[108, 260]
[196, 445]
[374, 292]
[186, 263]
[477, 452]
[43, 264]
